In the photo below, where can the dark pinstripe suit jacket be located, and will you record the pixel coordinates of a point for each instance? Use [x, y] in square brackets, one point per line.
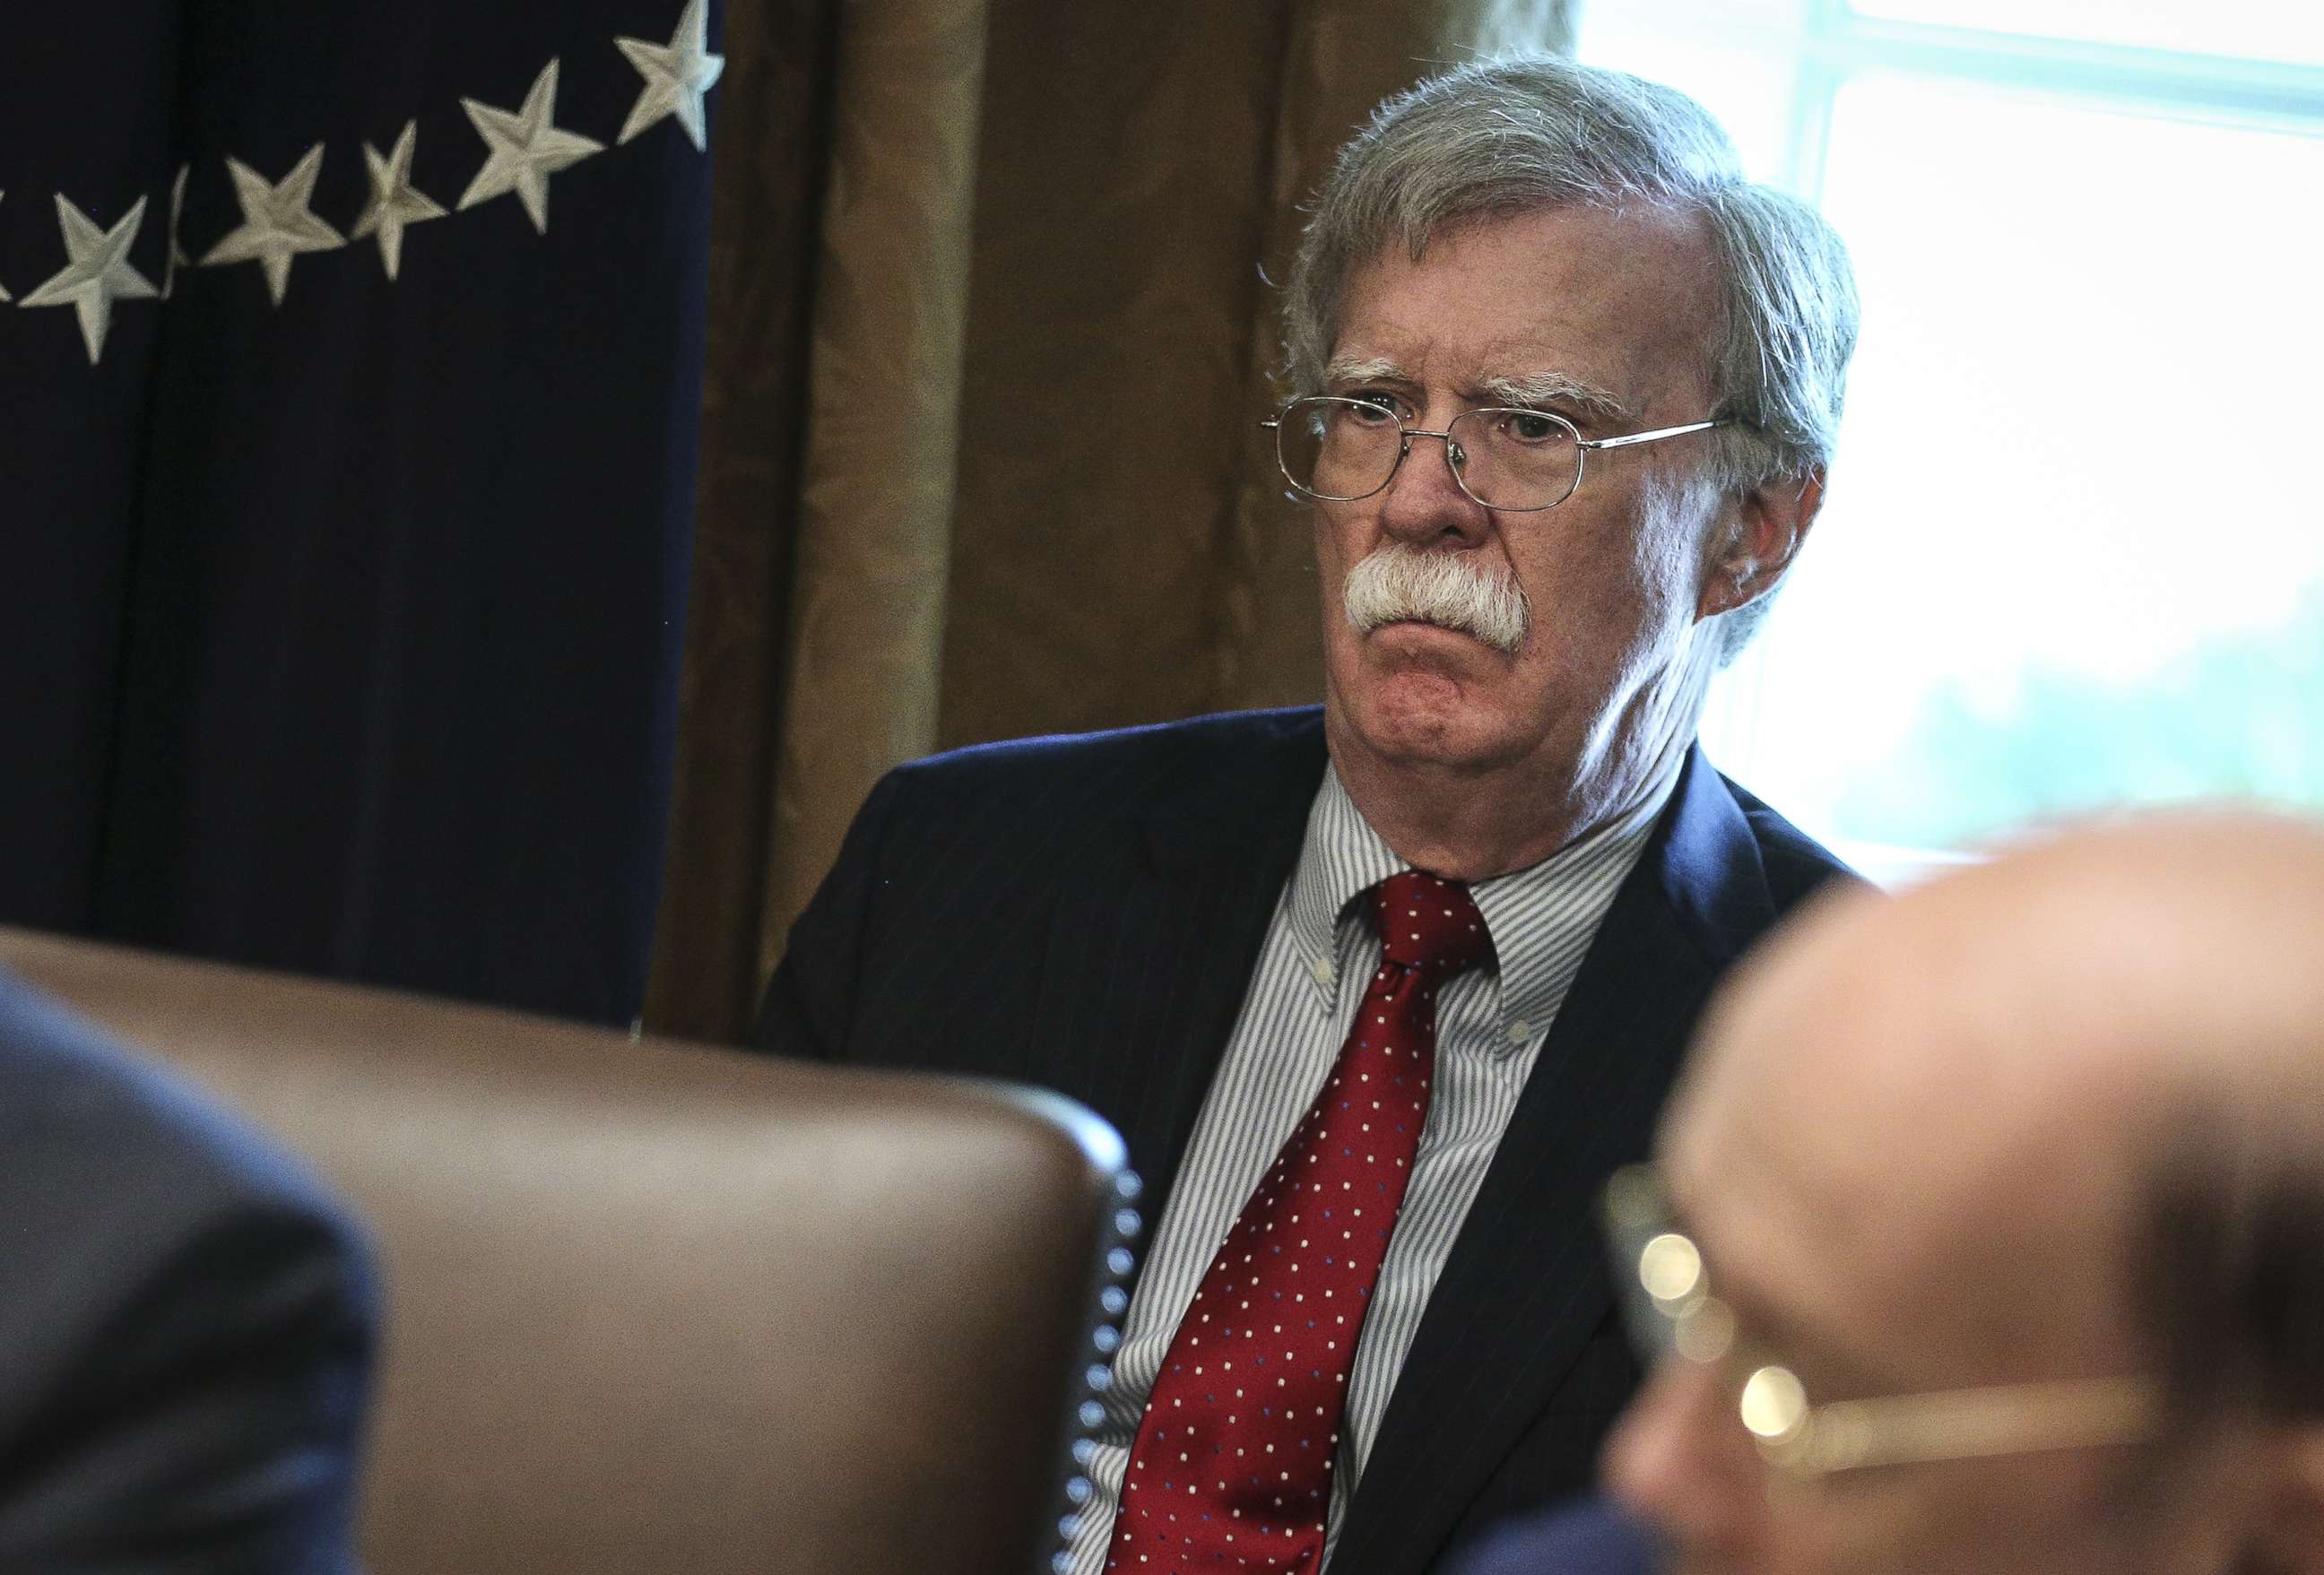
[1084, 914]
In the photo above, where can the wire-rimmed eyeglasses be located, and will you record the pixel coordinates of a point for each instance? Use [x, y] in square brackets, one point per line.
[1517, 461]
[1668, 1302]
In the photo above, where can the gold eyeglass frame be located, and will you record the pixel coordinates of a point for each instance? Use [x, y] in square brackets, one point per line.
[1582, 447]
[1668, 1302]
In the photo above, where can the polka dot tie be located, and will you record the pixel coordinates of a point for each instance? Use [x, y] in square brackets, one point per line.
[1231, 1468]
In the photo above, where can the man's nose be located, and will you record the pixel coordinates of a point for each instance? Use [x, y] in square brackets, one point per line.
[1423, 504]
[1680, 1461]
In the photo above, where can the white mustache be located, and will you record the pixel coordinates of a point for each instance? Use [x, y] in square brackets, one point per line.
[1453, 590]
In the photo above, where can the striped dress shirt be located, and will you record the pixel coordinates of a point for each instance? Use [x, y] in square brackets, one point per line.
[1320, 949]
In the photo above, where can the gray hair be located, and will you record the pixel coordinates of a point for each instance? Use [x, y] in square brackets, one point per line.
[1510, 136]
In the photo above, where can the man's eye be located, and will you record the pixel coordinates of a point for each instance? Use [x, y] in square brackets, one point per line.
[1533, 426]
[1371, 410]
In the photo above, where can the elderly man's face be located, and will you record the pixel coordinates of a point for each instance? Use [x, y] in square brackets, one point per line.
[1620, 304]
[1896, 1200]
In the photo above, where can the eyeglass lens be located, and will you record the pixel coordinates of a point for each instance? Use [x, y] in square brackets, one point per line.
[1343, 449]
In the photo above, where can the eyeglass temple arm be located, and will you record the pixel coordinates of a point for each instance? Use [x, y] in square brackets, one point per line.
[1846, 1435]
[1629, 437]
[1273, 424]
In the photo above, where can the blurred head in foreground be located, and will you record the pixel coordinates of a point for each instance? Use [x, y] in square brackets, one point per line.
[1986, 1230]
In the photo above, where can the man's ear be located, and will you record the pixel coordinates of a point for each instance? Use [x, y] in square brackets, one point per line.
[2290, 1538]
[1765, 529]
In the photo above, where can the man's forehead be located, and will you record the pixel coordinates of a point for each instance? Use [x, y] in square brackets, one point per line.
[1886, 1273]
[1862, 1125]
[1855, 1031]
[1619, 303]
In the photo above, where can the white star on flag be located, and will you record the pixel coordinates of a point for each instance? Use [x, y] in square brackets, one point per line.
[676, 75]
[526, 149]
[98, 272]
[277, 224]
[395, 202]
[177, 258]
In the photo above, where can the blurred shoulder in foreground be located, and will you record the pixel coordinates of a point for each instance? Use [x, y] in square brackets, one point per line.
[187, 1317]
[1586, 1538]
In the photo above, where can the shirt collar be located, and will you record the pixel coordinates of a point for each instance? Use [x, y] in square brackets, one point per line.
[1541, 918]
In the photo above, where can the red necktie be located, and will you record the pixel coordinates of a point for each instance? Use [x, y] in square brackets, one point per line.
[1231, 1468]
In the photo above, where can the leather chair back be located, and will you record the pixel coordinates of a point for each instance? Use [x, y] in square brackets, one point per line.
[661, 1307]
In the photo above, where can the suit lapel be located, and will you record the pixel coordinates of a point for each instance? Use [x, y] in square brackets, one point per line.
[1155, 937]
[1524, 1284]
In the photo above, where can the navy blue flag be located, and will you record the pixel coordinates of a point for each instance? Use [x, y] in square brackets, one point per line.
[349, 379]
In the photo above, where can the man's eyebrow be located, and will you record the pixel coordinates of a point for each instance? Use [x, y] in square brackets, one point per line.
[1340, 373]
[1543, 388]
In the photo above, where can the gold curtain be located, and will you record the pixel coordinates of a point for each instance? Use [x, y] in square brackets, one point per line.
[990, 330]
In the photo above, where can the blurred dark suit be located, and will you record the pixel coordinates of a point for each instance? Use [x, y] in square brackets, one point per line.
[1588, 1537]
[185, 1324]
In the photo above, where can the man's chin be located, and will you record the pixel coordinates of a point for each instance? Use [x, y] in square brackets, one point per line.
[1416, 694]
[1420, 714]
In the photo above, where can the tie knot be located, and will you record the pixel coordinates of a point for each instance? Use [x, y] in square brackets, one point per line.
[1429, 923]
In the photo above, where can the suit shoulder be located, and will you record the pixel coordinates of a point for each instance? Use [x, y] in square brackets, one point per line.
[1118, 767]
[87, 1126]
[1797, 864]
[189, 1321]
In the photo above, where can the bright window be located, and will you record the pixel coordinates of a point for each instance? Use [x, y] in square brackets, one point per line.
[2073, 553]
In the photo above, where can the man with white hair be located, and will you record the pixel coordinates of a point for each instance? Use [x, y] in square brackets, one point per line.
[1986, 1234]
[1377, 991]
